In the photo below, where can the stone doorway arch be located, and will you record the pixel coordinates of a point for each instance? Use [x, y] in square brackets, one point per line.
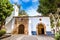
[41, 29]
[21, 29]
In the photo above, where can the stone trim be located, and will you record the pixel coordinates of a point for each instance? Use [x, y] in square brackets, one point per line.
[17, 23]
[44, 28]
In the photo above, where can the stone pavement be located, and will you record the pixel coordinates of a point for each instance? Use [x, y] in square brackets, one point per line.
[43, 37]
[26, 37]
[29, 38]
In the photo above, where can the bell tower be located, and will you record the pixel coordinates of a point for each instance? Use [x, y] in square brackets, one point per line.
[16, 10]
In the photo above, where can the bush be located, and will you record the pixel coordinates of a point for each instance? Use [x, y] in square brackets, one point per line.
[2, 32]
[57, 36]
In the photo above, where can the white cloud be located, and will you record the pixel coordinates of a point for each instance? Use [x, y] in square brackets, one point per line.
[32, 7]
[34, 0]
[25, 0]
[32, 12]
[15, 0]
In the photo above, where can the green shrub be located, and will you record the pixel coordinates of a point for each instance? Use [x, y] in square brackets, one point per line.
[57, 36]
[2, 32]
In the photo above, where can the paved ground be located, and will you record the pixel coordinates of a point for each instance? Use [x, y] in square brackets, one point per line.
[26, 37]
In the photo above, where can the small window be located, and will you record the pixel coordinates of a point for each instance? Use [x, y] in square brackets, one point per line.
[40, 19]
[21, 19]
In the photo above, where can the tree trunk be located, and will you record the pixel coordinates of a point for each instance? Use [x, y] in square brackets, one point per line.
[2, 23]
[0, 26]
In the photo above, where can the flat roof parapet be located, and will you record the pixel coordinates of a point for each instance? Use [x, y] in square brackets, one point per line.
[28, 16]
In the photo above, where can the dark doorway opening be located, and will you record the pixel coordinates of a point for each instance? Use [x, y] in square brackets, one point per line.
[42, 31]
[21, 29]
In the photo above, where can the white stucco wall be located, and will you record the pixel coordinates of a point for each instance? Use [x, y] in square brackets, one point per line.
[16, 10]
[9, 27]
[46, 21]
[34, 22]
[29, 27]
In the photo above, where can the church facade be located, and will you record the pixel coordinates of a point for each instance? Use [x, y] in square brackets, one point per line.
[28, 25]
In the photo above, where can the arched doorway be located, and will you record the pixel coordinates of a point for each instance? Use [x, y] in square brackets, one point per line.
[41, 29]
[21, 29]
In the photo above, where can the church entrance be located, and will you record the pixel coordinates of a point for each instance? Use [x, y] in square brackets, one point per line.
[21, 29]
[40, 29]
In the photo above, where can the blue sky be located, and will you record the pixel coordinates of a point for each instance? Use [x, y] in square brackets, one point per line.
[30, 6]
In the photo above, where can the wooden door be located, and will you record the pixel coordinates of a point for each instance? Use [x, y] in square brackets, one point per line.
[21, 29]
[40, 29]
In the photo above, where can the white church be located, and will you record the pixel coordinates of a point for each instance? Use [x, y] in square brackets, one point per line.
[28, 25]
